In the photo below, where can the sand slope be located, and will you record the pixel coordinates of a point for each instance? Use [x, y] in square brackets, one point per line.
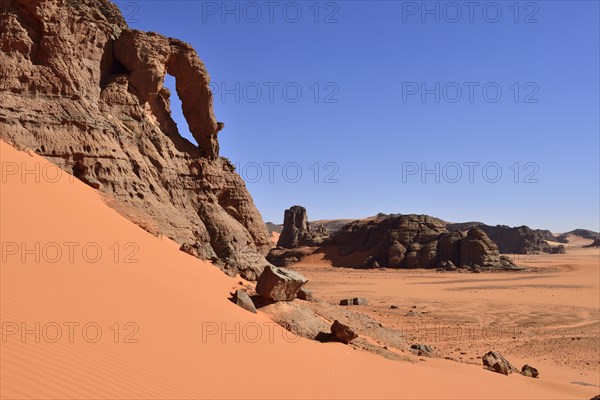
[170, 300]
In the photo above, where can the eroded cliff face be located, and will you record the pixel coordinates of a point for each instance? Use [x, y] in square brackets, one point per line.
[80, 88]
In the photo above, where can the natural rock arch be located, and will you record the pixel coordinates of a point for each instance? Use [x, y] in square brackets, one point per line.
[149, 57]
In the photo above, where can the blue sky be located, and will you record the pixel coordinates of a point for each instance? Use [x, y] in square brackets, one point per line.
[362, 97]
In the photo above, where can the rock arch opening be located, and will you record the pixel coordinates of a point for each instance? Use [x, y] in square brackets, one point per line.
[176, 109]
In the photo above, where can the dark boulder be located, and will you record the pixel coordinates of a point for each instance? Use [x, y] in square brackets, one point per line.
[530, 371]
[343, 333]
[496, 362]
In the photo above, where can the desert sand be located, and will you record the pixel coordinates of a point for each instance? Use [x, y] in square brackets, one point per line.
[124, 314]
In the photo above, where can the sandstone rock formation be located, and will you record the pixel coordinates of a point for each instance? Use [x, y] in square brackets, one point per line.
[297, 239]
[414, 241]
[376, 235]
[296, 230]
[81, 89]
[297, 318]
[477, 248]
[279, 284]
[517, 240]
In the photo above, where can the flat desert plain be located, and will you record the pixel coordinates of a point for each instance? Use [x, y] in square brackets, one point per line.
[548, 316]
[93, 307]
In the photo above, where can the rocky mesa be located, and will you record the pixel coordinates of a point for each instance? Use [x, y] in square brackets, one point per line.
[80, 88]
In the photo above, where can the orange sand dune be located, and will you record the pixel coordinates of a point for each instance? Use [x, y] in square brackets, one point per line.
[166, 307]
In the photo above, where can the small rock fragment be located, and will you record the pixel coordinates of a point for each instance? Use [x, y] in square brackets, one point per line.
[242, 299]
[530, 371]
[342, 332]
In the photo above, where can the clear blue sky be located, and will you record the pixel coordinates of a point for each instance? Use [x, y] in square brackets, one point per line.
[368, 113]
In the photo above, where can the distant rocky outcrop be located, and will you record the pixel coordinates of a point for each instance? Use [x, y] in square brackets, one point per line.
[518, 240]
[297, 239]
[297, 232]
[583, 233]
[414, 241]
[596, 243]
[513, 240]
[271, 227]
[330, 225]
[80, 88]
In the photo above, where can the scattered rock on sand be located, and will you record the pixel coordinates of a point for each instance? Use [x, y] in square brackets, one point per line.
[496, 362]
[342, 332]
[413, 313]
[305, 294]
[422, 350]
[356, 301]
[530, 371]
[279, 284]
[242, 299]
